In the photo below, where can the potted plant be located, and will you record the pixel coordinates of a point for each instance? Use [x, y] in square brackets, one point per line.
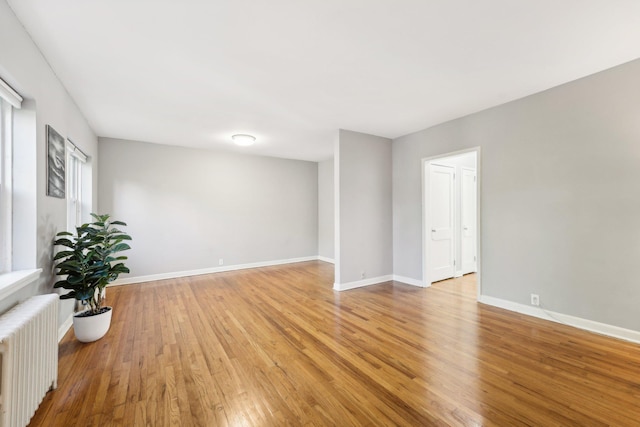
[89, 262]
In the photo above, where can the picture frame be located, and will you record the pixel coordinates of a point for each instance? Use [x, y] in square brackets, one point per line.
[55, 164]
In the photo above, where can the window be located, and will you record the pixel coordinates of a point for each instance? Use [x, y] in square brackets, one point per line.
[75, 162]
[9, 99]
[5, 186]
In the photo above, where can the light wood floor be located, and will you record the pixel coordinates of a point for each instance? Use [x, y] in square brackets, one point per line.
[277, 346]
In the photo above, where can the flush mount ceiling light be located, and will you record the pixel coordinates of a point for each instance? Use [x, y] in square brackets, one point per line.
[243, 140]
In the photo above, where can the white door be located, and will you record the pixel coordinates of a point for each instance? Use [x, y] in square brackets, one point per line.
[441, 222]
[468, 214]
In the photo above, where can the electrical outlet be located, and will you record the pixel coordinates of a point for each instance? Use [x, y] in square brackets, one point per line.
[535, 300]
[220, 261]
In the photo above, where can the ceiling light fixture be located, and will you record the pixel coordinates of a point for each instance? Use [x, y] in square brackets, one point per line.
[243, 140]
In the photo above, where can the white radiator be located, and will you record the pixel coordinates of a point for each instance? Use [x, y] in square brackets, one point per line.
[29, 358]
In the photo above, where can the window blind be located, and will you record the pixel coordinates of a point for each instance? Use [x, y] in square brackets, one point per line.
[10, 95]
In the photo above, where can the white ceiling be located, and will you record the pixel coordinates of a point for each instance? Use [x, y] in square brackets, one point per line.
[291, 72]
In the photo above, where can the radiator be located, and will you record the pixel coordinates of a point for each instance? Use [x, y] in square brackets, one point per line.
[29, 358]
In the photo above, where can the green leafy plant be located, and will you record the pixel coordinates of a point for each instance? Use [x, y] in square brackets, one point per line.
[89, 260]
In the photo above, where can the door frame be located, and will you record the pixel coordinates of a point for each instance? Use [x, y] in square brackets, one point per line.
[426, 226]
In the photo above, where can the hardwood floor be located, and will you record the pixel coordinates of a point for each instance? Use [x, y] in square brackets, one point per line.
[277, 346]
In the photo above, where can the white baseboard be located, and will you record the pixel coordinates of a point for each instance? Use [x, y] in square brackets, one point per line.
[409, 281]
[361, 283]
[325, 259]
[376, 280]
[458, 274]
[576, 322]
[66, 325]
[176, 274]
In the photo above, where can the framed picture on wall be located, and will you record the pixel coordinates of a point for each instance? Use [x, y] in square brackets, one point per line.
[55, 164]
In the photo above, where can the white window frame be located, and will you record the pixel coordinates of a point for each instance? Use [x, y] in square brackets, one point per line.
[9, 99]
[6, 185]
[76, 160]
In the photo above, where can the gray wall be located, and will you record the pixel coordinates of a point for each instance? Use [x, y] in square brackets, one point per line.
[46, 102]
[326, 213]
[364, 194]
[559, 175]
[186, 208]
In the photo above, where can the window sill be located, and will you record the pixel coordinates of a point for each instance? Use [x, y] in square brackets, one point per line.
[16, 280]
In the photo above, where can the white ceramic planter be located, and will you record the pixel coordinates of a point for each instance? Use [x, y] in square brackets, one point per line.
[92, 328]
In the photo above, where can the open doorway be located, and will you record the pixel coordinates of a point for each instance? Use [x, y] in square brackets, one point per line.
[451, 232]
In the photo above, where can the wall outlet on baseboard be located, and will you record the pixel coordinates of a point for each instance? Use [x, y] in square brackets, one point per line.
[220, 261]
[535, 300]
